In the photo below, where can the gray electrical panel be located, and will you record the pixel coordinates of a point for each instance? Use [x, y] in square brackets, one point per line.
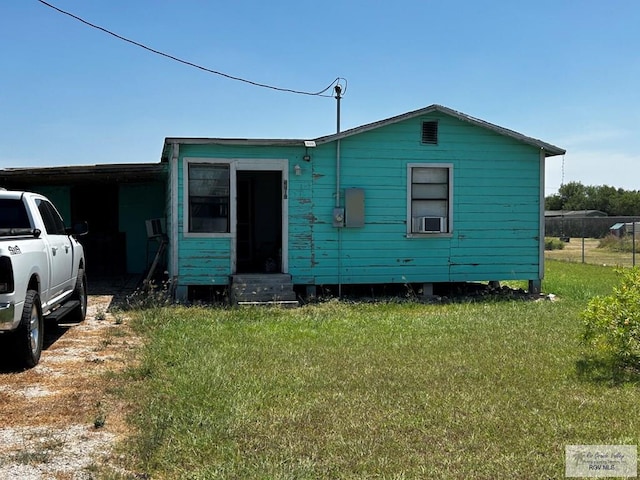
[354, 207]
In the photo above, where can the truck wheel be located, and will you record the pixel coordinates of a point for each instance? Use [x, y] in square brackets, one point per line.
[79, 313]
[29, 334]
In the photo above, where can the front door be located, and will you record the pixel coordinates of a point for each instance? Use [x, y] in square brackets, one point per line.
[259, 237]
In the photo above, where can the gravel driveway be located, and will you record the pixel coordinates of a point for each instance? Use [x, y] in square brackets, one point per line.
[58, 420]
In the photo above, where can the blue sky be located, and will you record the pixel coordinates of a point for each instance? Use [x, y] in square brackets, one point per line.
[566, 72]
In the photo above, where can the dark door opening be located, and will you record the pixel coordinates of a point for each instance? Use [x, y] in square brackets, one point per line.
[259, 222]
[104, 245]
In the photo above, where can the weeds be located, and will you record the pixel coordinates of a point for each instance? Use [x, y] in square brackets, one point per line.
[150, 295]
[101, 416]
[118, 316]
[624, 244]
[30, 457]
[48, 446]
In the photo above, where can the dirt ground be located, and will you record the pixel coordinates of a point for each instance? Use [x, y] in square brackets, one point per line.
[60, 420]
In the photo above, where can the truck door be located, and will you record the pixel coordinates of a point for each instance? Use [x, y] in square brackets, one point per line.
[60, 250]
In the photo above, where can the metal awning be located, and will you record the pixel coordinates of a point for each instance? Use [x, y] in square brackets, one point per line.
[110, 173]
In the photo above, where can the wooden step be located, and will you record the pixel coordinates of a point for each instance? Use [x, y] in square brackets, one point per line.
[279, 303]
[262, 289]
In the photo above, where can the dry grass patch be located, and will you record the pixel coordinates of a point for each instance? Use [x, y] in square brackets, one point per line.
[587, 250]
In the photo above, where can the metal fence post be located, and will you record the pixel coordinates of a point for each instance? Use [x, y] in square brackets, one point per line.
[633, 243]
[583, 235]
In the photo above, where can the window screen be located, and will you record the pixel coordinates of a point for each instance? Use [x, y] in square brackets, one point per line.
[209, 198]
[430, 199]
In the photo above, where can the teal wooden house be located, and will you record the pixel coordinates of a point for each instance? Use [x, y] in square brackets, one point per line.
[431, 196]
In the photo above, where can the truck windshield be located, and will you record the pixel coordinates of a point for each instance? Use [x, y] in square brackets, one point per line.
[13, 214]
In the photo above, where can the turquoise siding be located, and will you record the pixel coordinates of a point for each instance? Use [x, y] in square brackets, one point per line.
[207, 261]
[302, 241]
[140, 202]
[496, 209]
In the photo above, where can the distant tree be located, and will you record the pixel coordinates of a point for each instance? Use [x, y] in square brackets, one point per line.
[600, 198]
[553, 202]
[612, 201]
[627, 203]
[573, 196]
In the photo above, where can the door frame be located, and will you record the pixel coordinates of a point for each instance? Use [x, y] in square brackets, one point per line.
[273, 165]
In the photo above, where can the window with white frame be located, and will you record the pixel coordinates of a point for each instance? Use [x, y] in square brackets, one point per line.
[208, 186]
[429, 198]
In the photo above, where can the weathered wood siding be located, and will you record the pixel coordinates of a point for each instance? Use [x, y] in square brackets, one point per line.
[496, 209]
[207, 261]
[139, 202]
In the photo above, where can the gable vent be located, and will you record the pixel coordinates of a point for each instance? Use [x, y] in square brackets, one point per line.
[430, 133]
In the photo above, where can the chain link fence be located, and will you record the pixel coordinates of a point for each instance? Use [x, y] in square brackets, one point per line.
[596, 240]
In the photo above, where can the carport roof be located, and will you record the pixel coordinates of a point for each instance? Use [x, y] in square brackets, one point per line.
[115, 173]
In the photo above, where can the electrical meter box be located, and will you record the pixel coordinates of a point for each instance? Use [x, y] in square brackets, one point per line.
[338, 217]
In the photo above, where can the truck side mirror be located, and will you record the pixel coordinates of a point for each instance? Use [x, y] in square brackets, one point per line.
[81, 228]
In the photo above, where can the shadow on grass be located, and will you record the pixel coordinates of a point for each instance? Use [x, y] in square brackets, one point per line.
[607, 371]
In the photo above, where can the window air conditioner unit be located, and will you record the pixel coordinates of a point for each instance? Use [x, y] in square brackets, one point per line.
[155, 227]
[429, 224]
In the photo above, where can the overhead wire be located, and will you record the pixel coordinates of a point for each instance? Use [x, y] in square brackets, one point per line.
[320, 93]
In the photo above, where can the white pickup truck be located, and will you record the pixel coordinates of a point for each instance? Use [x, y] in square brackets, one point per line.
[42, 272]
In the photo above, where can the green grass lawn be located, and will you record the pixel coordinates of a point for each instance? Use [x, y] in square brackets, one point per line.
[388, 390]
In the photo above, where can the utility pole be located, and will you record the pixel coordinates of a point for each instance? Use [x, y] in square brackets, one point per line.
[338, 90]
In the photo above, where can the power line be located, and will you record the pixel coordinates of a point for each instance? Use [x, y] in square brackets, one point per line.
[320, 93]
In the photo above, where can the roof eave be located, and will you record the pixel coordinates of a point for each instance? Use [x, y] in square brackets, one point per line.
[234, 141]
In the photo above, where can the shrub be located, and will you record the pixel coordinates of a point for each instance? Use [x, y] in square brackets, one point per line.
[612, 323]
[615, 244]
[553, 244]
